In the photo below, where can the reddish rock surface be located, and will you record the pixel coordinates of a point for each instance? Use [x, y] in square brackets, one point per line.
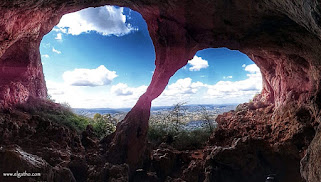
[281, 37]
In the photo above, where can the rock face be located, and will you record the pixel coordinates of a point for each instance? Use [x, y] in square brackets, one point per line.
[282, 37]
[311, 163]
[14, 160]
[37, 143]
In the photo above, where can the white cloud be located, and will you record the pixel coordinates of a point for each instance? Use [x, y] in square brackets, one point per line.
[93, 97]
[183, 90]
[46, 46]
[89, 77]
[243, 65]
[56, 51]
[106, 20]
[223, 92]
[227, 77]
[54, 88]
[59, 36]
[182, 87]
[244, 89]
[122, 89]
[197, 63]
[59, 29]
[45, 56]
[252, 68]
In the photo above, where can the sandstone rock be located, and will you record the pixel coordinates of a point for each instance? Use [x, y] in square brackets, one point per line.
[194, 171]
[282, 37]
[250, 160]
[311, 162]
[143, 176]
[115, 173]
[13, 159]
[167, 161]
[79, 168]
[61, 174]
[88, 138]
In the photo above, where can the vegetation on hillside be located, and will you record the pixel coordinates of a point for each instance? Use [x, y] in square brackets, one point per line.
[169, 127]
[63, 114]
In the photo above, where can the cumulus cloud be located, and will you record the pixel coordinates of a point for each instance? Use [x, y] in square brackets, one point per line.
[122, 95]
[183, 87]
[45, 56]
[223, 92]
[197, 63]
[54, 88]
[59, 36]
[60, 29]
[252, 68]
[122, 89]
[56, 51]
[106, 20]
[93, 97]
[89, 77]
[243, 89]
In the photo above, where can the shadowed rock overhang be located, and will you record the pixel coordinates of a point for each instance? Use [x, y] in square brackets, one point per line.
[282, 37]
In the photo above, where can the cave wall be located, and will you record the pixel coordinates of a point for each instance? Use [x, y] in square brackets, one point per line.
[282, 37]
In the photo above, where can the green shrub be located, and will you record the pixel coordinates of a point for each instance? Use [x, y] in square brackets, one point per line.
[181, 139]
[192, 139]
[103, 124]
[63, 114]
[54, 112]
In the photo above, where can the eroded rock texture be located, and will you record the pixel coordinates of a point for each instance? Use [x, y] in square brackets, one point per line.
[282, 37]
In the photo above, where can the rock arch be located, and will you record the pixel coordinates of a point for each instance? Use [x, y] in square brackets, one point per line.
[282, 37]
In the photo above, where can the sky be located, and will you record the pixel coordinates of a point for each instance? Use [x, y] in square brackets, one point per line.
[104, 58]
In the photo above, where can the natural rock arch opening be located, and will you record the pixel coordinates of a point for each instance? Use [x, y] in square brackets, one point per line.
[103, 54]
[215, 76]
[282, 38]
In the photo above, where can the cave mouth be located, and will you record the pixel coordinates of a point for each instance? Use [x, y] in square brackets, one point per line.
[213, 76]
[215, 81]
[281, 38]
[79, 53]
[103, 54]
[84, 54]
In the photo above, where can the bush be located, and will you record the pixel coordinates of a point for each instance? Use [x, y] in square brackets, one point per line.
[103, 124]
[170, 128]
[192, 139]
[182, 138]
[176, 135]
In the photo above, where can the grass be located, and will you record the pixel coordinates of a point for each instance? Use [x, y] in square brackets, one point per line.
[63, 114]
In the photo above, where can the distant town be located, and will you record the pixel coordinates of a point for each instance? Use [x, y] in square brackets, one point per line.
[189, 113]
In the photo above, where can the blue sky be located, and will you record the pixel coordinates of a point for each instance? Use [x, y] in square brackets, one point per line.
[104, 57]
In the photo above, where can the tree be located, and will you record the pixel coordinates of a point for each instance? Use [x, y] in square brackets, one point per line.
[207, 117]
[176, 114]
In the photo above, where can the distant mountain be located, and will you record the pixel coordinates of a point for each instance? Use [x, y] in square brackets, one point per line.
[91, 112]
